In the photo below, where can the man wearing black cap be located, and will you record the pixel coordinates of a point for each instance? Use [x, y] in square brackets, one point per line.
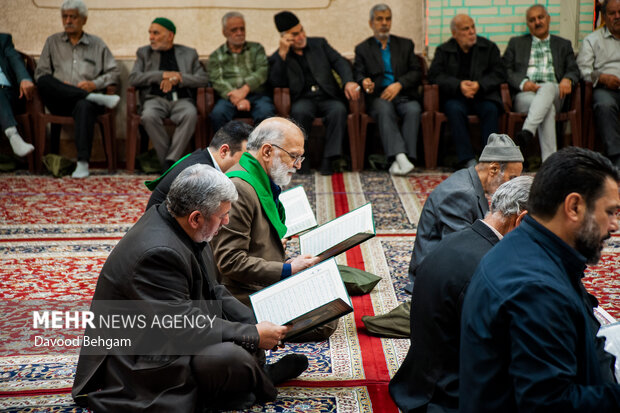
[305, 64]
[166, 75]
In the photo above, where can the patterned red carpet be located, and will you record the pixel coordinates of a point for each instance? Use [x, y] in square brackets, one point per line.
[55, 235]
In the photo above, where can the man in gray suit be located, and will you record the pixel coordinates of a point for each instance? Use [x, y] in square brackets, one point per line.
[454, 205]
[541, 71]
[428, 379]
[166, 74]
[165, 257]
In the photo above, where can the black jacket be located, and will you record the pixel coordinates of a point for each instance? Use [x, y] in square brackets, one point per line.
[160, 192]
[405, 65]
[429, 373]
[487, 69]
[157, 260]
[322, 59]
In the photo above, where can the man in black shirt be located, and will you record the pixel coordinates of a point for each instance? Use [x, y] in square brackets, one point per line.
[167, 74]
[305, 64]
[225, 150]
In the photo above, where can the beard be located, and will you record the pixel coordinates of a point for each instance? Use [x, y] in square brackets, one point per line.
[496, 182]
[280, 172]
[588, 241]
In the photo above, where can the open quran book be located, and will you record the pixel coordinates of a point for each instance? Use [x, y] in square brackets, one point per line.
[305, 300]
[610, 328]
[340, 234]
[299, 215]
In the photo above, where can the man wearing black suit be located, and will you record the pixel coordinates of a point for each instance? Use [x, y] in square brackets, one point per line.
[225, 150]
[541, 71]
[305, 64]
[166, 257]
[469, 71]
[428, 378]
[389, 72]
[13, 76]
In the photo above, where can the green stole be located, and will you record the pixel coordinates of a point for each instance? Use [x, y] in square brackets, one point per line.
[152, 184]
[255, 175]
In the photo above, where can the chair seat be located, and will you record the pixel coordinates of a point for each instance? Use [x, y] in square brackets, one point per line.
[132, 142]
[105, 121]
[572, 115]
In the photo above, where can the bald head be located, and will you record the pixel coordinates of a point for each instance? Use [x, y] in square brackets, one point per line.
[278, 145]
[464, 31]
[274, 130]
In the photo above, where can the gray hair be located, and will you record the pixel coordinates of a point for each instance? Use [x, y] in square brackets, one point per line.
[453, 24]
[511, 197]
[75, 4]
[379, 7]
[229, 16]
[604, 6]
[529, 9]
[199, 188]
[263, 133]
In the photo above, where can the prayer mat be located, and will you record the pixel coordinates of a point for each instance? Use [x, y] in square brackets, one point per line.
[55, 235]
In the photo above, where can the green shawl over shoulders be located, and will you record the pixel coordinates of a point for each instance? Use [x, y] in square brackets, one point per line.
[255, 175]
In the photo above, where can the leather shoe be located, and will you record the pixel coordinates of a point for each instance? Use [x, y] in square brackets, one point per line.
[288, 367]
[523, 137]
[326, 167]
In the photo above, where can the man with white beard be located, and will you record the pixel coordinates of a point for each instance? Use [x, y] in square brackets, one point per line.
[249, 252]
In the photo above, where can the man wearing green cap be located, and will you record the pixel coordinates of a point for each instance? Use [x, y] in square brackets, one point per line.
[167, 75]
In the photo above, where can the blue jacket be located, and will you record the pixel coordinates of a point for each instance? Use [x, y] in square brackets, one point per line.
[527, 331]
[11, 62]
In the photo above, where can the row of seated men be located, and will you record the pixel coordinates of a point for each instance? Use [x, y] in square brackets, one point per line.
[500, 319]
[540, 68]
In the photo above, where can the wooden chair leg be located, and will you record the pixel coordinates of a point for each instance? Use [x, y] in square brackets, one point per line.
[357, 142]
[27, 134]
[107, 137]
[575, 132]
[430, 148]
[39, 147]
[131, 144]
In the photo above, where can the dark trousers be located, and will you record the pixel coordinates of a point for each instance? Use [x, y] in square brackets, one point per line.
[334, 114]
[224, 111]
[606, 106]
[226, 373]
[67, 100]
[457, 110]
[8, 98]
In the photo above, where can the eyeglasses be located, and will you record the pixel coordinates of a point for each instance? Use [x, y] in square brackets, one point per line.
[296, 158]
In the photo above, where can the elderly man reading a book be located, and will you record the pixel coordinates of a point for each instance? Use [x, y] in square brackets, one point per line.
[249, 252]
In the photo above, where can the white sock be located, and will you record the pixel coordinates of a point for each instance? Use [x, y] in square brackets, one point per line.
[81, 170]
[20, 148]
[404, 164]
[109, 101]
[395, 169]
